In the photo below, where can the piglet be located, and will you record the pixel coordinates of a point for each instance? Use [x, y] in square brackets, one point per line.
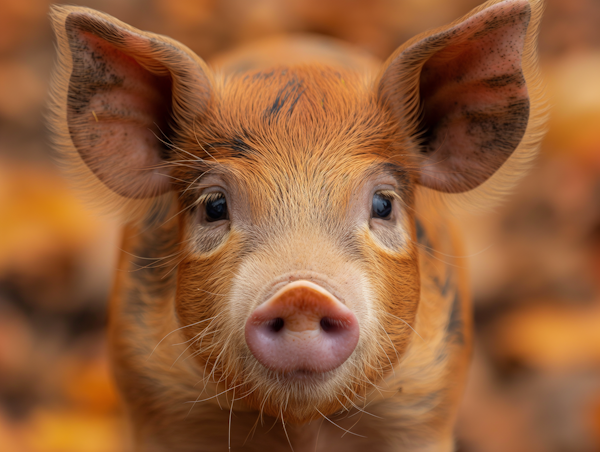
[289, 276]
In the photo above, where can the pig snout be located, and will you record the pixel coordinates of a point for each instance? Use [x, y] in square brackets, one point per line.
[302, 328]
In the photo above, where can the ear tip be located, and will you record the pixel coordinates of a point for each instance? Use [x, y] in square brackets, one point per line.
[59, 13]
[65, 10]
[522, 5]
[520, 2]
[503, 7]
[525, 4]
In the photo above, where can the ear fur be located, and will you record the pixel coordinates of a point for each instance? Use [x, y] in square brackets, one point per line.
[408, 80]
[118, 97]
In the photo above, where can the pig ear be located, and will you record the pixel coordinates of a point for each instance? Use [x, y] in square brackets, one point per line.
[120, 96]
[461, 93]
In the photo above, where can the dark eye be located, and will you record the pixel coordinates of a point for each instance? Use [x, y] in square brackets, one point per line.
[382, 207]
[216, 209]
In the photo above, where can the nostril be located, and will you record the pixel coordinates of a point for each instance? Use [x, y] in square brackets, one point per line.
[276, 325]
[330, 325]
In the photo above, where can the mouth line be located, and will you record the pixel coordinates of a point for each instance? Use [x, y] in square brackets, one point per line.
[303, 376]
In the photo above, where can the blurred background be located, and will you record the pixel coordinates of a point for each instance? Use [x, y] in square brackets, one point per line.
[535, 261]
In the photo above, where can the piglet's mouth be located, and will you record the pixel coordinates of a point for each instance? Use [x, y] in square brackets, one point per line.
[304, 376]
[302, 332]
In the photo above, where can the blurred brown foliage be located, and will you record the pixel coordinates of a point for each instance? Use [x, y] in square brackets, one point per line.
[535, 260]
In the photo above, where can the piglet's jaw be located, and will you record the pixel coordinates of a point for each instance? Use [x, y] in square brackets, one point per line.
[303, 328]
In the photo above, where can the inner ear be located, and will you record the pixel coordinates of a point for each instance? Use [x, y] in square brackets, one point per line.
[121, 98]
[474, 98]
[134, 87]
[463, 94]
[119, 115]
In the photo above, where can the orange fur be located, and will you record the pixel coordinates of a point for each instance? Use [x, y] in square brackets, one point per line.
[297, 148]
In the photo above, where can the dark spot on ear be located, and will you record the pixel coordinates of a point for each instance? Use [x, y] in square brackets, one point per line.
[501, 81]
[91, 73]
[502, 20]
[499, 131]
[98, 56]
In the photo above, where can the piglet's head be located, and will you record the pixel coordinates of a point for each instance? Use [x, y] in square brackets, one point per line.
[294, 187]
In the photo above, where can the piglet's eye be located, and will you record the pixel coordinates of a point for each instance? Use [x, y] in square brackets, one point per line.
[216, 209]
[382, 207]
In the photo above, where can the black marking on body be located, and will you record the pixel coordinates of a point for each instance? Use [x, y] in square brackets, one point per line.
[152, 273]
[422, 237]
[448, 283]
[454, 328]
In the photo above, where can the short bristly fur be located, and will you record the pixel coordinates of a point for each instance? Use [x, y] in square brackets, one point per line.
[298, 151]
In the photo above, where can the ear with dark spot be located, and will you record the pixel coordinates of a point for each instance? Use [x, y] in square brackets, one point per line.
[461, 93]
[121, 95]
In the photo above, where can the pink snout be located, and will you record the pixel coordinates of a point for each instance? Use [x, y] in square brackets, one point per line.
[302, 328]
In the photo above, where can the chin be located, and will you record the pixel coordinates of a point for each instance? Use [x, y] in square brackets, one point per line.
[302, 395]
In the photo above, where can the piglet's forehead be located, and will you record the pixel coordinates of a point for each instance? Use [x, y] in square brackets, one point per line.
[309, 105]
[302, 89]
[310, 124]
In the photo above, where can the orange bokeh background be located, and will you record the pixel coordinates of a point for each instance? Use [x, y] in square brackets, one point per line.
[535, 260]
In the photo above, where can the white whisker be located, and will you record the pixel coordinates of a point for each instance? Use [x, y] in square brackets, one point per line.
[338, 426]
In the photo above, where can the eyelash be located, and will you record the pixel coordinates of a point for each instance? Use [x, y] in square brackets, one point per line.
[388, 194]
[208, 197]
